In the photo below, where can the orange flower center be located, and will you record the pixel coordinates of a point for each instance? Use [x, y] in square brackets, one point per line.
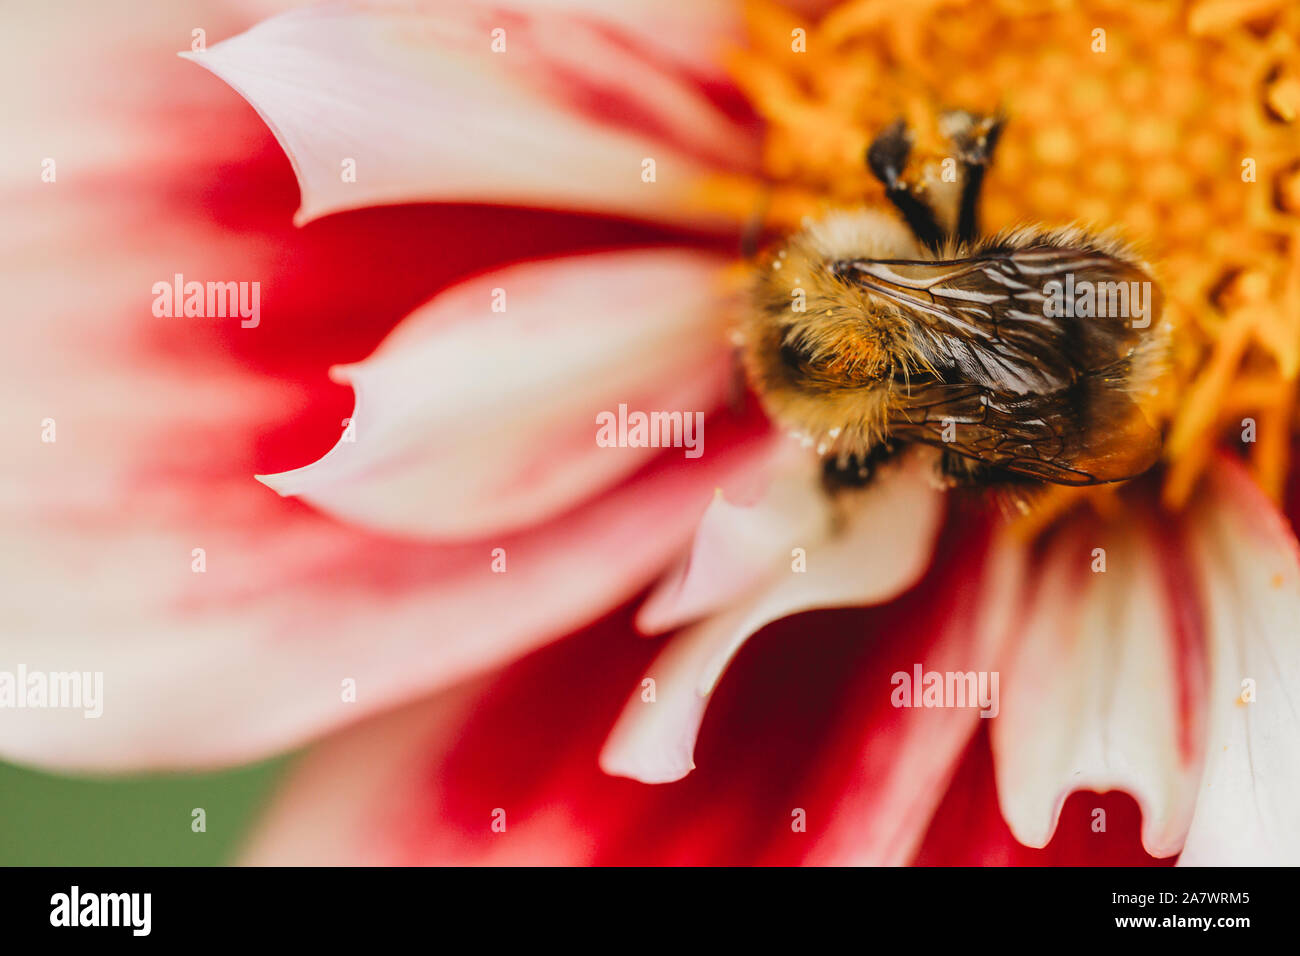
[1178, 123]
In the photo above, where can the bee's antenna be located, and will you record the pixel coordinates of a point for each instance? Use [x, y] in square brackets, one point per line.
[887, 159]
[976, 143]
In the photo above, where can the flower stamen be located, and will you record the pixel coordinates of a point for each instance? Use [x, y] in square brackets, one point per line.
[1177, 125]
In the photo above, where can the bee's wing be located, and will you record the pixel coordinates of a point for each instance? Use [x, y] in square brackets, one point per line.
[1007, 383]
[985, 319]
[1050, 438]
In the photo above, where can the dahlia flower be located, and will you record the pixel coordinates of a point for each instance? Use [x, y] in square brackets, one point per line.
[506, 643]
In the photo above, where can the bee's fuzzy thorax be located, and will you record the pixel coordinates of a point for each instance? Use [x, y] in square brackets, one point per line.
[858, 337]
[819, 349]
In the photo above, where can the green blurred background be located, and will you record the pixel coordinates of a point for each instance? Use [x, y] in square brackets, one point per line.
[49, 820]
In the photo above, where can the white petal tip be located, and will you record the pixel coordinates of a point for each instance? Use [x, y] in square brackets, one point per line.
[276, 483]
[618, 766]
[649, 621]
[712, 675]
[342, 374]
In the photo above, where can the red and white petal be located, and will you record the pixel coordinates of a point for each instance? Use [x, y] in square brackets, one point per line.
[252, 655]
[408, 102]
[319, 815]
[799, 723]
[896, 763]
[1250, 574]
[229, 654]
[501, 772]
[470, 422]
[968, 828]
[1096, 692]
[739, 546]
[365, 797]
[884, 549]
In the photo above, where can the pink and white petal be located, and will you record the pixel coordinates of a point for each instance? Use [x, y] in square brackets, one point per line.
[319, 816]
[785, 733]
[470, 422]
[1094, 697]
[884, 548]
[412, 96]
[357, 797]
[86, 125]
[968, 828]
[162, 421]
[157, 441]
[901, 760]
[250, 657]
[739, 546]
[426, 784]
[1250, 574]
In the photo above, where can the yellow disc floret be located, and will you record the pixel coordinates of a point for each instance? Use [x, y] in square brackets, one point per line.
[1176, 123]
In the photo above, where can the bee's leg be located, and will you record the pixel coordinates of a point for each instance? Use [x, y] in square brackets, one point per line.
[856, 471]
[841, 477]
[956, 470]
[1013, 494]
[887, 158]
[975, 138]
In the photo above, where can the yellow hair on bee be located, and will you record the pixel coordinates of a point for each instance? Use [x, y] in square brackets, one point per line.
[814, 347]
[857, 336]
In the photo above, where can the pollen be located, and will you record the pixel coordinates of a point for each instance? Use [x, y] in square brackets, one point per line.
[1175, 123]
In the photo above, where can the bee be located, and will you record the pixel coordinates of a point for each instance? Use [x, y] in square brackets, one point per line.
[1023, 358]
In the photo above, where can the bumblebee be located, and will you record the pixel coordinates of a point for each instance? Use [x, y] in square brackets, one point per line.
[1023, 357]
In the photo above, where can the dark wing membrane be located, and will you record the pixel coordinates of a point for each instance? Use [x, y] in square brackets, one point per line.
[1027, 385]
[1063, 438]
[986, 319]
